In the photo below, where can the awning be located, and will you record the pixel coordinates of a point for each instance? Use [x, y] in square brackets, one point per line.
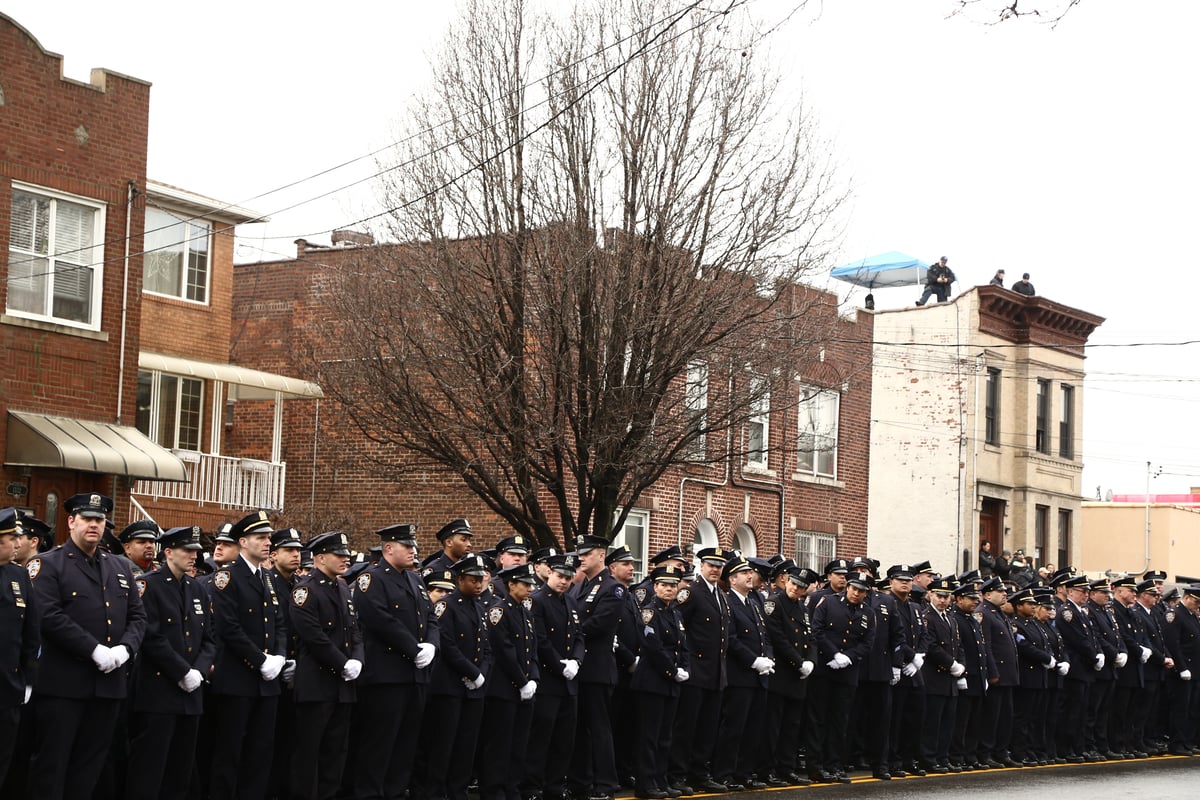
[251, 384]
[40, 440]
[883, 271]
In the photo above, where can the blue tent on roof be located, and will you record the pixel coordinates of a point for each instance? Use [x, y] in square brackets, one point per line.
[883, 271]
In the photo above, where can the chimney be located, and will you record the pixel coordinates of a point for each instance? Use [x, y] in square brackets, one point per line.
[348, 238]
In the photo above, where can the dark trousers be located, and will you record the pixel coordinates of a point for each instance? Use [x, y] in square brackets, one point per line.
[652, 739]
[939, 727]
[875, 698]
[1122, 732]
[908, 720]
[996, 723]
[388, 718]
[964, 748]
[1179, 694]
[696, 718]
[551, 741]
[829, 706]
[1143, 716]
[785, 721]
[738, 740]
[1054, 696]
[165, 745]
[10, 721]
[621, 710]
[1096, 729]
[1073, 701]
[280, 784]
[500, 768]
[319, 756]
[451, 755]
[243, 744]
[1029, 724]
[593, 767]
[71, 743]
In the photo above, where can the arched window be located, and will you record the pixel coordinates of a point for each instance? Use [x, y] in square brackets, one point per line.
[743, 539]
[705, 535]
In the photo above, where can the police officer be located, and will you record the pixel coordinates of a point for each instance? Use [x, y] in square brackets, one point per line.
[940, 673]
[139, 540]
[1181, 632]
[225, 552]
[400, 636]
[621, 564]
[177, 656]
[329, 660]
[33, 537]
[463, 666]
[510, 693]
[252, 637]
[908, 695]
[794, 647]
[19, 638]
[1035, 659]
[455, 539]
[880, 673]
[1147, 724]
[1000, 634]
[979, 673]
[285, 561]
[511, 551]
[560, 652]
[662, 667]
[1100, 697]
[1131, 679]
[92, 624]
[1082, 651]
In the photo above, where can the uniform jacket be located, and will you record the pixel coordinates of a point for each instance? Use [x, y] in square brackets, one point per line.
[1153, 669]
[1131, 628]
[977, 658]
[662, 647]
[887, 649]
[80, 607]
[556, 625]
[944, 648]
[1000, 635]
[248, 613]
[179, 638]
[466, 651]
[327, 636]
[914, 636]
[1109, 638]
[1034, 652]
[1078, 631]
[284, 586]
[748, 640]
[790, 631]
[1182, 635]
[20, 635]
[629, 633]
[840, 627]
[514, 648]
[706, 625]
[1059, 650]
[600, 601]
[395, 615]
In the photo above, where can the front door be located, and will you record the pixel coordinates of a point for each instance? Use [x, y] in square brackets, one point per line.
[48, 488]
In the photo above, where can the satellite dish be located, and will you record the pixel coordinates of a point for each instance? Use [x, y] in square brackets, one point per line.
[1108, 496]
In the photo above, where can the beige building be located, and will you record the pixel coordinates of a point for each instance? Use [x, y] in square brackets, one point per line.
[976, 422]
[1135, 537]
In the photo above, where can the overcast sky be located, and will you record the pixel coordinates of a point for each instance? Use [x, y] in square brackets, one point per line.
[1068, 152]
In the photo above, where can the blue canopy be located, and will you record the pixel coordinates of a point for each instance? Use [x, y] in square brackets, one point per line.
[883, 271]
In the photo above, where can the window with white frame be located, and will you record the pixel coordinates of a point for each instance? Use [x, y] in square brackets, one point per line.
[815, 550]
[818, 413]
[55, 253]
[758, 429]
[696, 399]
[744, 541]
[635, 534]
[169, 409]
[176, 263]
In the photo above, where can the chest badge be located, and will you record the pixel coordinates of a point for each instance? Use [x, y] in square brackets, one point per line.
[300, 595]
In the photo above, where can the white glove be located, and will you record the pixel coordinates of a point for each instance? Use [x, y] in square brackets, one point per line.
[528, 690]
[956, 669]
[895, 676]
[633, 666]
[28, 694]
[103, 658]
[842, 659]
[120, 655]
[961, 683]
[425, 654]
[271, 667]
[1186, 675]
[1099, 661]
[909, 669]
[762, 665]
[475, 684]
[351, 669]
[1145, 654]
[1121, 660]
[616, 644]
[919, 660]
[191, 681]
[681, 675]
[806, 668]
[570, 668]
[289, 672]
[1053, 663]
[1063, 667]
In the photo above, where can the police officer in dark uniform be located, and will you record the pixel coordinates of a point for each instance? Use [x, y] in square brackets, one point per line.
[560, 652]
[600, 599]
[510, 693]
[941, 671]
[1147, 725]
[980, 672]
[20, 638]
[880, 673]
[1100, 697]
[908, 695]
[401, 637]
[620, 564]
[511, 551]
[225, 552]
[138, 541]
[177, 656]
[330, 659]
[704, 608]
[455, 539]
[92, 625]
[252, 637]
[662, 667]
[995, 729]
[1035, 660]
[463, 666]
[1082, 651]
[285, 557]
[1131, 681]
[1181, 632]
[672, 556]
[836, 574]
[794, 647]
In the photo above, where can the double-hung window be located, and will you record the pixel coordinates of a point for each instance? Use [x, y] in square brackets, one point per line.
[758, 429]
[169, 409]
[818, 441]
[176, 263]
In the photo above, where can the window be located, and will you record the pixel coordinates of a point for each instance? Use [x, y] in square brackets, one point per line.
[168, 409]
[818, 414]
[54, 257]
[1066, 423]
[705, 535]
[1064, 537]
[815, 550]
[992, 411]
[758, 429]
[176, 260]
[634, 534]
[1041, 522]
[696, 399]
[1042, 437]
[743, 540]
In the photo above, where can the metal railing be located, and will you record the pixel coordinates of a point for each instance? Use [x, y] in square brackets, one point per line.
[231, 482]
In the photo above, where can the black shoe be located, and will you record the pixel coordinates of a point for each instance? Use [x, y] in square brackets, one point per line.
[683, 789]
[709, 785]
[955, 768]
[1139, 754]
[776, 782]
[734, 787]
[1009, 761]
[842, 777]
[939, 769]
[992, 763]
[917, 769]
[881, 775]
[821, 776]
[1175, 750]
[796, 779]
[673, 793]
[899, 773]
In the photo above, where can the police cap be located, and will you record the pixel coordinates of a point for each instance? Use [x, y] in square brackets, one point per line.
[185, 536]
[97, 506]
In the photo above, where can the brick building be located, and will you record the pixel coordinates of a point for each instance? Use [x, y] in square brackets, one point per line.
[812, 503]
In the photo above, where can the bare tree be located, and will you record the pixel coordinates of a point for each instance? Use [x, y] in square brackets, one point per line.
[1050, 12]
[606, 220]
